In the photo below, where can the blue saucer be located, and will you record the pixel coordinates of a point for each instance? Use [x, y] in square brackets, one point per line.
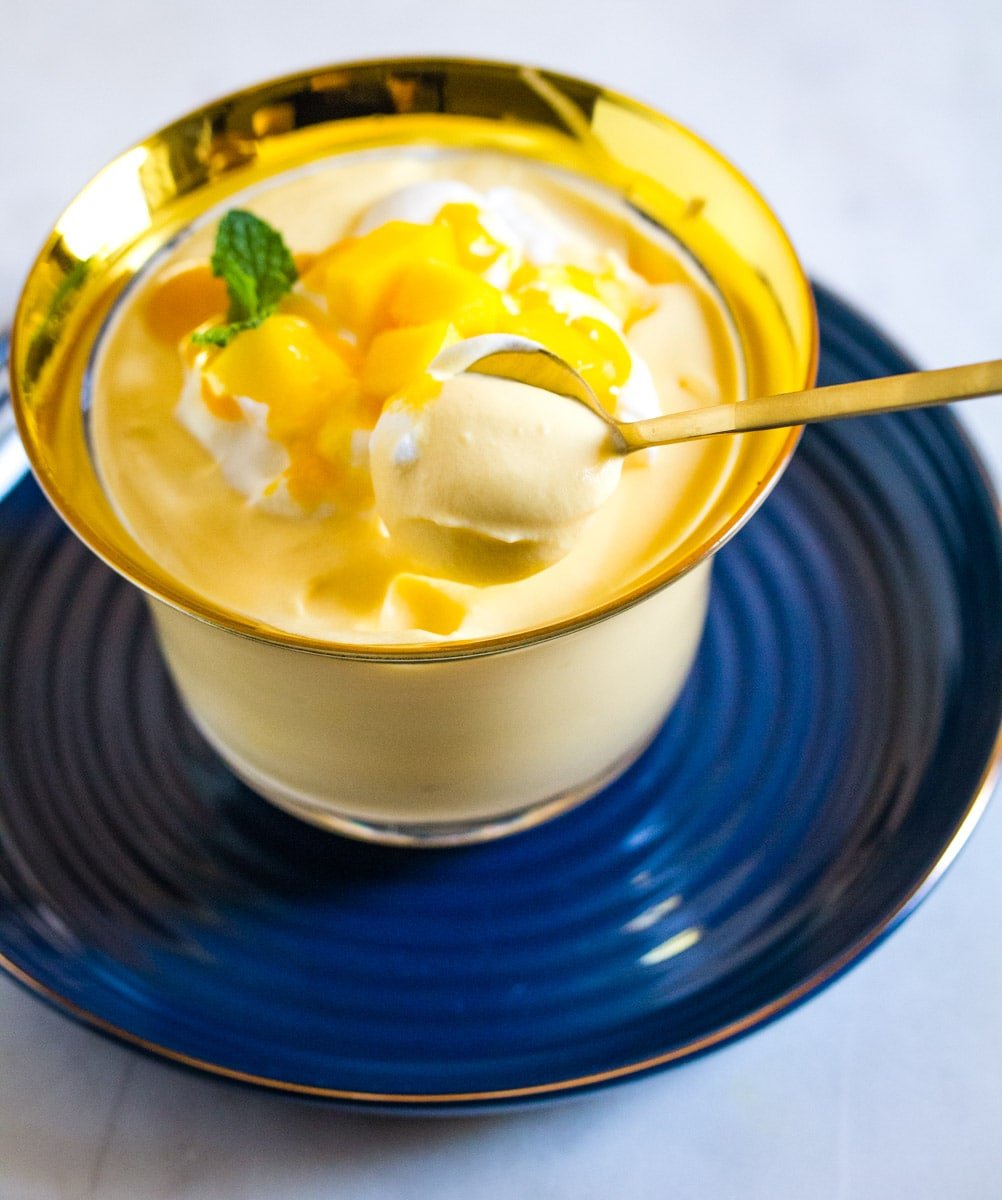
[831, 752]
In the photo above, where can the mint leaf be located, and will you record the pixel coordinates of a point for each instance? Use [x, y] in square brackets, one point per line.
[254, 262]
[222, 335]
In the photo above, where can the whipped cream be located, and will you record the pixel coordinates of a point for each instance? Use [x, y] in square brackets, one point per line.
[251, 462]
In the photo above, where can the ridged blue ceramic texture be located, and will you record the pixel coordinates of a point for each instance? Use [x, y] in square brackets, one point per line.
[827, 747]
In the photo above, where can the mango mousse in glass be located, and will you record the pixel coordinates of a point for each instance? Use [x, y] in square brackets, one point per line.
[402, 601]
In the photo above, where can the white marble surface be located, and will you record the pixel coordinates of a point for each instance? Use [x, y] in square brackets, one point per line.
[874, 126]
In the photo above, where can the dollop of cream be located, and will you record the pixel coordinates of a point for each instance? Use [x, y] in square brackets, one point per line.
[491, 480]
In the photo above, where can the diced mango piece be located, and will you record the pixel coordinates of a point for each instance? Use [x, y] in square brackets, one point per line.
[438, 291]
[398, 356]
[298, 305]
[314, 277]
[285, 364]
[416, 602]
[334, 441]
[611, 358]
[360, 274]
[532, 275]
[476, 249]
[605, 286]
[551, 329]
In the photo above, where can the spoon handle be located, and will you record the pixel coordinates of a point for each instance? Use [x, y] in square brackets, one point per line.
[916, 390]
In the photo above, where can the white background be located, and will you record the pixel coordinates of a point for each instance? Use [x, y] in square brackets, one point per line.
[875, 129]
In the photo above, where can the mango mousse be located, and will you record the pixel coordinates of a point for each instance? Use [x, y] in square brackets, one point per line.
[265, 390]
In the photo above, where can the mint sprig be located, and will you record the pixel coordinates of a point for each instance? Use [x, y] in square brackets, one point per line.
[251, 257]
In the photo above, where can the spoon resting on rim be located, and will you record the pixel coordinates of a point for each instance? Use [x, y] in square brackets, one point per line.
[496, 477]
[527, 362]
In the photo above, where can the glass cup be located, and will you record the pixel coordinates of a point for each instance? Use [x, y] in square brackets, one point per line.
[441, 743]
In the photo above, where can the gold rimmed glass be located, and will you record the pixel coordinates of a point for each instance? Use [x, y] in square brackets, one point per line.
[153, 192]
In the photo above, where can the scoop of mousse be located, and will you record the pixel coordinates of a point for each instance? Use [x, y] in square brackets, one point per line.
[489, 480]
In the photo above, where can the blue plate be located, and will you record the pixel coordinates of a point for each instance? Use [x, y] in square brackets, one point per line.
[831, 752]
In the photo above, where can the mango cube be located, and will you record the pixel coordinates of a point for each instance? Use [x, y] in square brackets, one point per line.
[611, 360]
[416, 602]
[476, 248]
[397, 356]
[439, 291]
[360, 274]
[285, 364]
[302, 306]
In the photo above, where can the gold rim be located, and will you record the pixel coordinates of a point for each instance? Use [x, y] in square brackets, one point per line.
[165, 590]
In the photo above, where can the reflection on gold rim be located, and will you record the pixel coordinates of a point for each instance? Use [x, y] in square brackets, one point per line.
[178, 597]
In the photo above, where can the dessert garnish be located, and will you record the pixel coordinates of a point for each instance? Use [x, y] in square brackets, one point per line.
[258, 269]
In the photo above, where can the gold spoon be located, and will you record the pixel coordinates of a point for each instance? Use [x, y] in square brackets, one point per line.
[528, 362]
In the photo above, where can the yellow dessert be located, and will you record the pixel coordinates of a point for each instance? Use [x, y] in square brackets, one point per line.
[334, 665]
[244, 457]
